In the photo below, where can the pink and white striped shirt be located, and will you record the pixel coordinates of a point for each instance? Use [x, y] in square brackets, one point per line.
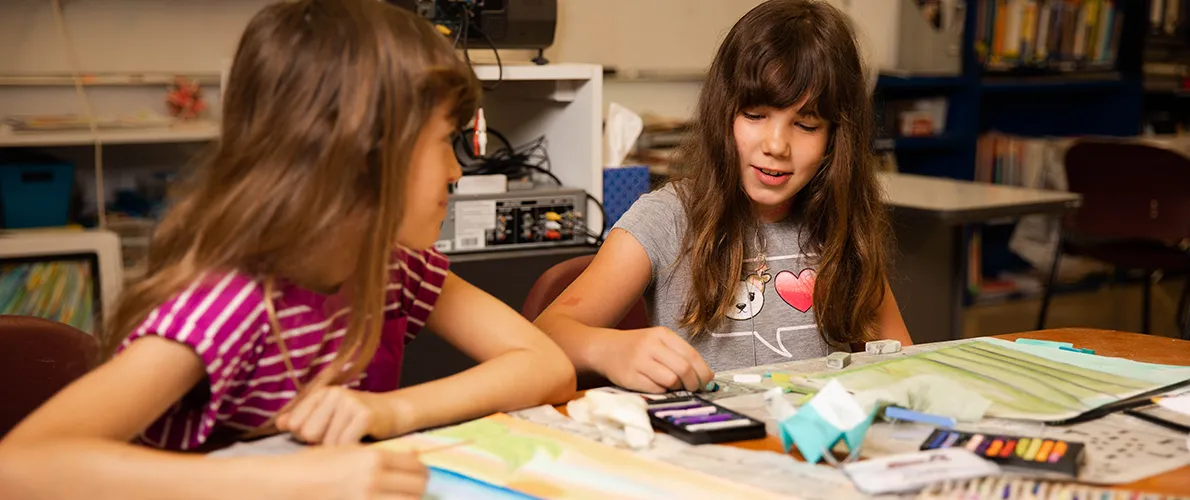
[223, 318]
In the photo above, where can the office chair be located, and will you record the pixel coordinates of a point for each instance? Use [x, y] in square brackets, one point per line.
[1135, 214]
[38, 357]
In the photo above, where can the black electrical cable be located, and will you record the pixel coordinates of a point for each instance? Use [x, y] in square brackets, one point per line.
[466, 13]
[603, 218]
[499, 63]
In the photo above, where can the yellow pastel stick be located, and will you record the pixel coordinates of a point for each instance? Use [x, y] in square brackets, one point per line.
[1034, 446]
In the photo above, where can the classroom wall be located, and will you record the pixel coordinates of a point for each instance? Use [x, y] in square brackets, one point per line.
[188, 36]
[629, 35]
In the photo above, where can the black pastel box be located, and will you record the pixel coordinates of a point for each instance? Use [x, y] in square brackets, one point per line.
[698, 421]
[1027, 455]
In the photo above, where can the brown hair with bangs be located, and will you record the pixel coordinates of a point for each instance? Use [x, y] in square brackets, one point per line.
[781, 53]
[324, 103]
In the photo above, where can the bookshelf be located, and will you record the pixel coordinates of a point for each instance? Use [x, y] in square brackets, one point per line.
[1071, 84]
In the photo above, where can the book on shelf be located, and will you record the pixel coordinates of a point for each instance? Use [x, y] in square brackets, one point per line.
[1009, 160]
[60, 290]
[1052, 35]
[1165, 16]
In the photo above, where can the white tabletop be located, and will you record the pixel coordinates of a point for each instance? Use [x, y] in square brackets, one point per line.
[958, 202]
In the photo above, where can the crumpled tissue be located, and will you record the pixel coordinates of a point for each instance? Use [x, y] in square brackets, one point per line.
[622, 419]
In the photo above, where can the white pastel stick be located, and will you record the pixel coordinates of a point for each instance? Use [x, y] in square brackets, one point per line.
[747, 378]
[692, 412]
[710, 426]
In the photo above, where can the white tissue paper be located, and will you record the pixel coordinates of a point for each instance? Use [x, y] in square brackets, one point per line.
[622, 419]
[619, 134]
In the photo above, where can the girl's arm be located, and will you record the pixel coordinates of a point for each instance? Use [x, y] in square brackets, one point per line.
[892, 325]
[518, 366]
[76, 444]
[581, 319]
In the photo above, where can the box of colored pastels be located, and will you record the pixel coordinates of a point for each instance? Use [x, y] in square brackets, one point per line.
[698, 421]
[1024, 455]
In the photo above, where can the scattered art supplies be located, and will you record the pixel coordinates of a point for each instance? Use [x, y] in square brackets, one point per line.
[1010, 488]
[507, 453]
[698, 421]
[1033, 456]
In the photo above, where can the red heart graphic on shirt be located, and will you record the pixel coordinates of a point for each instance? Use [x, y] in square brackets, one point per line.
[796, 290]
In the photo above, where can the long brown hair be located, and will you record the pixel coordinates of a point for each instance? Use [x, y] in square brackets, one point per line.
[779, 53]
[324, 103]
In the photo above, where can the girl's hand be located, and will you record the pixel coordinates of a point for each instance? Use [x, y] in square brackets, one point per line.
[653, 360]
[356, 473]
[336, 416]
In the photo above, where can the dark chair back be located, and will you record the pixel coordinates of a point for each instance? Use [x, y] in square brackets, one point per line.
[1129, 191]
[554, 281]
[38, 357]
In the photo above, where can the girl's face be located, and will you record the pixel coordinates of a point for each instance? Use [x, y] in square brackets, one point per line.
[780, 151]
[432, 169]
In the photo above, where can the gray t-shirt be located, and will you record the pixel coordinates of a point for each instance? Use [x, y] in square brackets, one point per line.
[772, 320]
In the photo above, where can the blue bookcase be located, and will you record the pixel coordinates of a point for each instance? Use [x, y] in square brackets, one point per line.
[1022, 101]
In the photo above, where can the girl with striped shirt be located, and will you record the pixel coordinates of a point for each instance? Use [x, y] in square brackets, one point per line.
[286, 280]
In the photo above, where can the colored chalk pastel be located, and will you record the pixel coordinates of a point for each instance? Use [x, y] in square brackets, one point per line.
[974, 442]
[950, 440]
[1044, 343]
[1043, 453]
[1022, 447]
[898, 413]
[702, 419]
[1034, 445]
[882, 347]
[838, 360]
[674, 406]
[983, 446]
[690, 412]
[1008, 448]
[747, 378]
[938, 439]
[1078, 350]
[712, 386]
[710, 426]
[1059, 451]
[994, 448]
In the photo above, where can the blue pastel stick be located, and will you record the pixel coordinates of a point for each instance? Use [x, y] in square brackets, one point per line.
[937, 442]
[1044, 343]
[895, 413]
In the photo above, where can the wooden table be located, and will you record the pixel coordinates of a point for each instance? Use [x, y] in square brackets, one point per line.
[1134, 346]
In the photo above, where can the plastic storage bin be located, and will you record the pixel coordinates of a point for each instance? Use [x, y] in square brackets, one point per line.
[35, 195]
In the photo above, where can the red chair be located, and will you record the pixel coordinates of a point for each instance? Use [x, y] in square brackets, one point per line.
[1135, 214]
[554, 281]
[38, 357]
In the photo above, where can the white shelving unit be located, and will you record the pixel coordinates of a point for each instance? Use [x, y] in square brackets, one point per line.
[564, 103]
[184, 132]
